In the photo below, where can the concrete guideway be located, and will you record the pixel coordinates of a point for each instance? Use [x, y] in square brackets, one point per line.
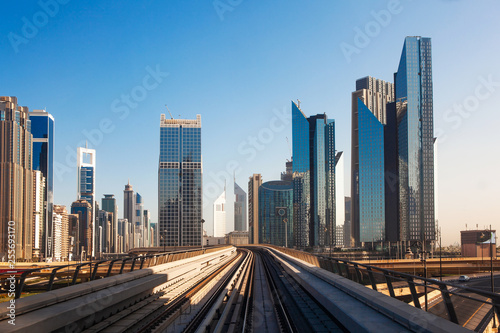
[80, 306]
[358, 308]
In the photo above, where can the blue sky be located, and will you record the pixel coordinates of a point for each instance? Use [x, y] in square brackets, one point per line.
[239, 64]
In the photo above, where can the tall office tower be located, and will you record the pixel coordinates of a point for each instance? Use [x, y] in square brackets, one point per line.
[369, 114]
[42, 128]
[313, 179]
[220, 215]
[138, 224]
[103, 232]
[85, 224]
[339, 242]
[347, 224]
[240, 208]
[253, 207]
[339, 192]
[108, 204]
[128, 210]
[276, 213]
[147, 228]
[61, 233]
[415, 141]
[288, 174]
[86, 168]
[16, 178]
[38, 213]
[73, 236]
[122, 235]
[180, 181]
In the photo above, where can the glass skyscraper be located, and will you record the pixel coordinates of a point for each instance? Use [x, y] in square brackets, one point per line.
[42, 128]
[276, 213]
[86, 165]
[369, 116]
[313, 179]
[180, 182]
[240, 209]
[414, 100]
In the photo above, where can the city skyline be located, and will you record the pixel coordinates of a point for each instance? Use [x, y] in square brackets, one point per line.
[314, 57]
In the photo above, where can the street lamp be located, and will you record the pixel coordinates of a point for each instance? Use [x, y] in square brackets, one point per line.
[202, 240]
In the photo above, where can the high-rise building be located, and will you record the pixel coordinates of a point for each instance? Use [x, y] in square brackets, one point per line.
[347, 224]
[253, 207]
[415, 133]
[73, 236]
[180, 182]
[369, 114]
[339, 242]
[16, 179]
[313, 179]
[128, 214]
[220, 215]
[85, 224]
[61, 233]
[42, 128]
[108, 204]
[339, 189]
[147, 228]
[276, 213]
[240, 208]
[38, 213]
[86, 168]
[139, 227]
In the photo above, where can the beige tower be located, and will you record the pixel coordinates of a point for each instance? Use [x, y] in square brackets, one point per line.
[253, 207]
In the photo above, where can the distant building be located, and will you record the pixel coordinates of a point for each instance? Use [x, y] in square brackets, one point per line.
[276, 224]
[85, 224]
[347, 224]
[39, 211]
[240, 208]
[86, 172]
[340, 236]
[253, 207]
[237, 238]
[220, 215]
[16, 178]
[180, 174]
[73, 236]
[108, 203]
[211, 240]
[43, 129]
[128, 214]
[339, 196]
[478, 243]
[61, 233]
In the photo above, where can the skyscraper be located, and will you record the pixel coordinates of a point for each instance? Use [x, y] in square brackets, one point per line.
[138, 221]
[84, 243]
[86, 168]
[369, 105]
[61, 233]
[276, 213]
[16, 179]
[313, 179]
[415, 141]
[180, 182]
[42, 128]
[220, 215]
[128, 214]
[240, 208]
[108, 204]
[38, 213]
[253, 207]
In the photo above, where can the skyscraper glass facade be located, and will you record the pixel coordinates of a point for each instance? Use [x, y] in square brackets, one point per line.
[415, 140]
[276, 213]
[180, 182]
[313, 179]
[240, 209]
[371, 176]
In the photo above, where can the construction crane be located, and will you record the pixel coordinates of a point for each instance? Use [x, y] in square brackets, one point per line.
[170, 113]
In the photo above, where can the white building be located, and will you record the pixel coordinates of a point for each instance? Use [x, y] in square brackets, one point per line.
[339, 190]
[220, 215]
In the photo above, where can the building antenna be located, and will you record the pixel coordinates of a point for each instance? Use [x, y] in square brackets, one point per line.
[170, 113]
[298, 103]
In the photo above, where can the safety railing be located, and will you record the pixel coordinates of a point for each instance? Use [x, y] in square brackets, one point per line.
[42, 279]
[472, 308]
